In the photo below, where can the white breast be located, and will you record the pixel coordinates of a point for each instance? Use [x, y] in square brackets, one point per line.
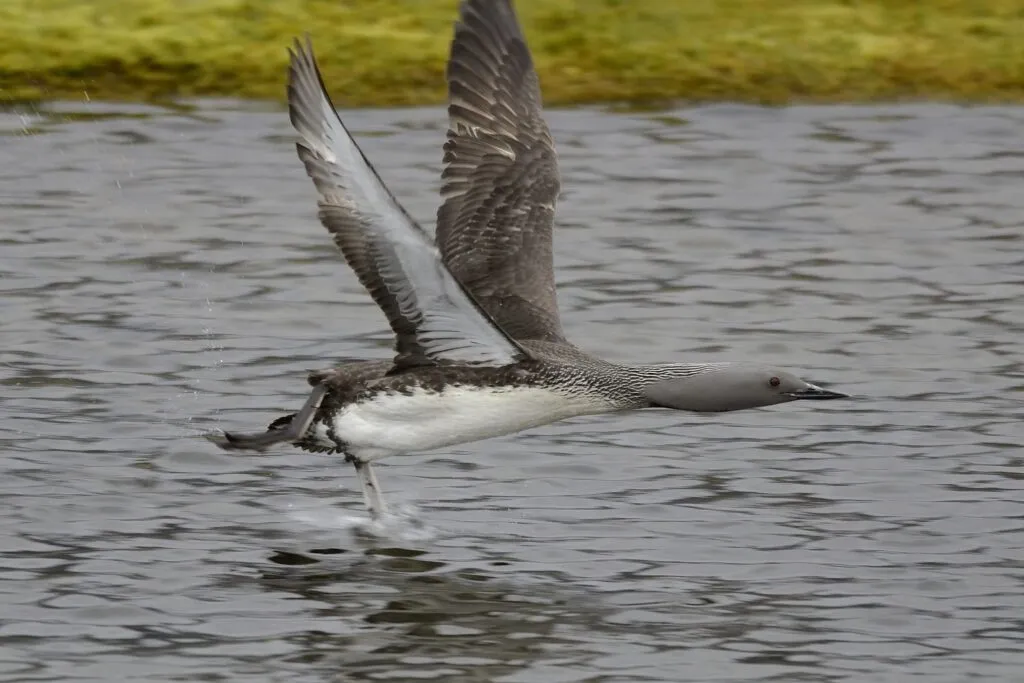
[421, 420]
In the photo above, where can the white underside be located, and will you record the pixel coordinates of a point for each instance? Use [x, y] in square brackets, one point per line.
[402, 423]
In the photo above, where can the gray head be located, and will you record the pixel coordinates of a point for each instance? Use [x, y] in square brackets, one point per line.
[721, 388]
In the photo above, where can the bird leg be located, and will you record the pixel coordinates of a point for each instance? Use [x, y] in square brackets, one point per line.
[294, 431]
[371, 489]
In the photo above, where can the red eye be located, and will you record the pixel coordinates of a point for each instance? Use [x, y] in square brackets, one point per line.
[775, 381]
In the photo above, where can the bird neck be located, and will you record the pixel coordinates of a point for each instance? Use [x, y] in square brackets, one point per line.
[656, 372]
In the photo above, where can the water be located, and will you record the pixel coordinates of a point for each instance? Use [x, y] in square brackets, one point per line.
[164, 275]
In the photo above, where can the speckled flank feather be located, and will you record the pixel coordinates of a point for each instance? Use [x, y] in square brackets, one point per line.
[365, 384]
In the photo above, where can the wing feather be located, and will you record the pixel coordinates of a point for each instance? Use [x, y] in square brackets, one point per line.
[434, 318]
[500, 180]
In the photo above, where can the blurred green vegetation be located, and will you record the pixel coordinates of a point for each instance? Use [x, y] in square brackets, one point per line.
[392, 52]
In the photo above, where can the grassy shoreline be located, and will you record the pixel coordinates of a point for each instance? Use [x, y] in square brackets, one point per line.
[392, 52]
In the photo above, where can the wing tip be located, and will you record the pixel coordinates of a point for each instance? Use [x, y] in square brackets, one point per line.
[305, 80]
[489, 16]
[310, 106]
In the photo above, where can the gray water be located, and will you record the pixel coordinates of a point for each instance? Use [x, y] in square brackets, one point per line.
[164, 275]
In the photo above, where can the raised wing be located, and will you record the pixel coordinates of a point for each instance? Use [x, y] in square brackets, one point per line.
[500, 180]
[433, 317]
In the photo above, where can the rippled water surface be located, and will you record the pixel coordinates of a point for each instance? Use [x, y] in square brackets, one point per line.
[164, 275]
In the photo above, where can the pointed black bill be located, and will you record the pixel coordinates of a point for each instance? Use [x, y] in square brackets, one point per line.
[817, 394]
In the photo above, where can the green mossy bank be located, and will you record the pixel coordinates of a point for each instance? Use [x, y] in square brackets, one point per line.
[391, 52]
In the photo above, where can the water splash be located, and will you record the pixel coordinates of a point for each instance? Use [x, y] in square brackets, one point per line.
[401, 523]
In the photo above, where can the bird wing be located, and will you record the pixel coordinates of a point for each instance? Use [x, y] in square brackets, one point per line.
[500, 179]
[434, 318]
